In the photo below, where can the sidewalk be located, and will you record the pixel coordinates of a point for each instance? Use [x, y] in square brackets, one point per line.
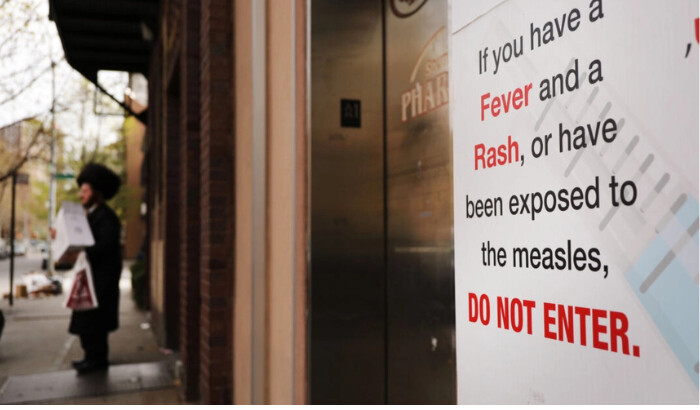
[36, 353]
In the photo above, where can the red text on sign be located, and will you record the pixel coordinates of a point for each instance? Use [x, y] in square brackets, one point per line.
[479, 309]
[498, 155]
[569, 323]
[518, 98]
[515, 314]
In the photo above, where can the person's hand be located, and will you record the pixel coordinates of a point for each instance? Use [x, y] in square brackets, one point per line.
[53, 233]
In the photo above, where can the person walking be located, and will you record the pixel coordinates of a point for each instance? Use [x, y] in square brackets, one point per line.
[98, 184]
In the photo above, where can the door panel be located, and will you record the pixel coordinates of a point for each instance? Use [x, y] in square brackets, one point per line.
[347, 225]
[420, 274]
[382, 276]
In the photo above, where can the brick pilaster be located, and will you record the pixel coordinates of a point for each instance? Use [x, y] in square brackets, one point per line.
[190, 199]
[217, 210]
[172, 164]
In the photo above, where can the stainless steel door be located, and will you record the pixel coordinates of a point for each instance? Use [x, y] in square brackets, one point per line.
[420, 274]
[381, 283]
[347, 323]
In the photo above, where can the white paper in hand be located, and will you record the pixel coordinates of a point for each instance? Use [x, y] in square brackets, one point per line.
[72, 232]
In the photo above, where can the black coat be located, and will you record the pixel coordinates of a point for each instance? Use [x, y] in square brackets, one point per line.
[106, 263]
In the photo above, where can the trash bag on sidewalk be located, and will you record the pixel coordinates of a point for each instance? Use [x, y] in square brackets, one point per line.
[82, 294]
[38, 284]
[35, 281]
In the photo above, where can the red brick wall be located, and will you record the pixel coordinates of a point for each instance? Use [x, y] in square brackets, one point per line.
[217, 214]
[190, 199]
[164, 134]
[172, 213]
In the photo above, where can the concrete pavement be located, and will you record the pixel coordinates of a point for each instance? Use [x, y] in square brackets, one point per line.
[35, 342]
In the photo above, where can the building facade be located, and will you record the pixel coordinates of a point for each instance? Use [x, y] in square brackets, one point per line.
[297, 168]
[21, 139]
[312, 238]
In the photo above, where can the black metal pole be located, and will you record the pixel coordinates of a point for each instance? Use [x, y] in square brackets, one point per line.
[12, 239]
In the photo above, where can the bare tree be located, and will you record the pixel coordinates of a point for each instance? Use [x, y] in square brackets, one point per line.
[27, 42]
[30, 54]
[26, 45]
[20, 143]
[32, 141]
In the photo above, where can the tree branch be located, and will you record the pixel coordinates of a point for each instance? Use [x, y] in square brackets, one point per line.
[26, 156]
[28, 85]
[20, 29]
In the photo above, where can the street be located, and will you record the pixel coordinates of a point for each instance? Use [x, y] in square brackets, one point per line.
[23, 264]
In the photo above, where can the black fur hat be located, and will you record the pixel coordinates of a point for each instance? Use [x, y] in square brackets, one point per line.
[101, 179]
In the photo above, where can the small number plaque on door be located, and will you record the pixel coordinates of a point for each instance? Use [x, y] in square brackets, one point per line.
[350, 113]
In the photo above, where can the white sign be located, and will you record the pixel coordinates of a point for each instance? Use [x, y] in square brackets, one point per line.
[72, 232]
[576, 201]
